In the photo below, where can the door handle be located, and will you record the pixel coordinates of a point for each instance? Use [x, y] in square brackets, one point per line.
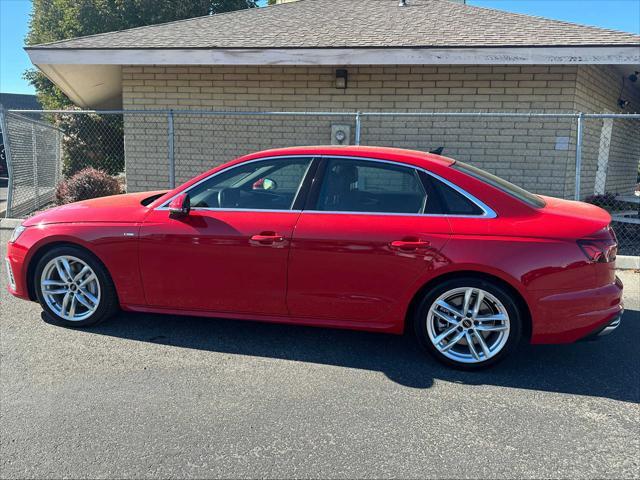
[266, 238]
[409, 244]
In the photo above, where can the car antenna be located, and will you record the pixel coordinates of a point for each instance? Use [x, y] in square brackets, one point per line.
[437, 151]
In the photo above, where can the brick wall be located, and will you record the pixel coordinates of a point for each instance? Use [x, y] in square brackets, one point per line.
[521, 150]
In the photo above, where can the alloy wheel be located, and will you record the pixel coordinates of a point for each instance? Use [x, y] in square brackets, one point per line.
[468, 325]
[70, 288]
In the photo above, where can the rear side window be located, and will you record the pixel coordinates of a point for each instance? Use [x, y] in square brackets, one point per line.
[374, 187]
[442, 199]
[501, 184]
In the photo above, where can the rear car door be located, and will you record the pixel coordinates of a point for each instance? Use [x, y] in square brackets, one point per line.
[362, 241]
[229, 254]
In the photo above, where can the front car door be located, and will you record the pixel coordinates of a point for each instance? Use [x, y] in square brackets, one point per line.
[364, 239]
[230, 253]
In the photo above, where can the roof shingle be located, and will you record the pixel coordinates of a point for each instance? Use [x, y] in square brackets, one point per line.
[356, 24]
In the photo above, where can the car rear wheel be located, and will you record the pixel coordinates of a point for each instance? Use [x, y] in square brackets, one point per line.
[468, 323]
[74, 288]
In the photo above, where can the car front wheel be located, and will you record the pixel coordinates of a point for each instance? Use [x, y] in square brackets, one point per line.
[468, 323]
[74, 288]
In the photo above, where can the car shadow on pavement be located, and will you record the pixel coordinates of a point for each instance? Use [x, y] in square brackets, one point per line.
[604, 368]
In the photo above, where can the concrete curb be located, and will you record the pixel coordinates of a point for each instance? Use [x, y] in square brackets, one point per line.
[628, 262]
[623, 262]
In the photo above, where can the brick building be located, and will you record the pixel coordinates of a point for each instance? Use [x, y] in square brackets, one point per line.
[362, 55]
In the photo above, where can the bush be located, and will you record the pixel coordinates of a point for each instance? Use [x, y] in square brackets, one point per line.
[87, 183]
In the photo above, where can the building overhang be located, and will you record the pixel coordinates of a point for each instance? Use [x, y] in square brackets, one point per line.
[92, 78]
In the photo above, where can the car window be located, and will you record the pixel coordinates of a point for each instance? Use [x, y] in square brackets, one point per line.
[501, 184]
[367, 186]
[443, 199]
[261, 185]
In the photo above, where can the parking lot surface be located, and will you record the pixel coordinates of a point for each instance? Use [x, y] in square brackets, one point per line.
[162, 396]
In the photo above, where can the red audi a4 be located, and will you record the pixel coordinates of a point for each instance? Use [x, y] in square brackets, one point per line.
[366, 238]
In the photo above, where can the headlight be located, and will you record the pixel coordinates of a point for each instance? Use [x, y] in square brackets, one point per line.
[16, 233]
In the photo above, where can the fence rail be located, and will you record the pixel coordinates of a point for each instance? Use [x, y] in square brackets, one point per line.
[582, 156]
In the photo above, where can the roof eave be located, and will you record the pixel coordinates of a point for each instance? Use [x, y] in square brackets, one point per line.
[531, 55]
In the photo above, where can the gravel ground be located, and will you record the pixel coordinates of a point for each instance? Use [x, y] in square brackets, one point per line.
[154, 396]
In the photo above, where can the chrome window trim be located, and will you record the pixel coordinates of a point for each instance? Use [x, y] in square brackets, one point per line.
[164, 206]
[210, 209]
[488, 212]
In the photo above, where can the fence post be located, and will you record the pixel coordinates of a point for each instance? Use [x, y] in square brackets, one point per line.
[7, 156]
[579, 135]
[172, 160]
[358, 128]
[34, 153]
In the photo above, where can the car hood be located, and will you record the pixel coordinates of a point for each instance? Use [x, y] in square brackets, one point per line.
[125, 208]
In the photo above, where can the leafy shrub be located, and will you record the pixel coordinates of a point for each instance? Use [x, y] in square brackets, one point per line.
[87, 183]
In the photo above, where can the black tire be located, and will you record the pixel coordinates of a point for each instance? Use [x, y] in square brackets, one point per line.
[419, 320]
[108, 303]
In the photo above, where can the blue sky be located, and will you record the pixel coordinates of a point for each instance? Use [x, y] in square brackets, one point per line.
[616, 14]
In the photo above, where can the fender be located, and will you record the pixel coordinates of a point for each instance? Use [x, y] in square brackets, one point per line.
[111, 243]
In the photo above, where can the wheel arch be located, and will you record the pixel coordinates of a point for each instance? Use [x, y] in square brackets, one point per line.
[517, 295]
[47, 247]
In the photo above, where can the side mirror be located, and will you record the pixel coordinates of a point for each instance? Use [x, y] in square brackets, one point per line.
[180, 206]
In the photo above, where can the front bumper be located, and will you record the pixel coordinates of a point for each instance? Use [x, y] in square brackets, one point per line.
[15, 273]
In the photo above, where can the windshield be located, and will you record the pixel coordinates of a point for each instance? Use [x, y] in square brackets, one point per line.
[501, 184]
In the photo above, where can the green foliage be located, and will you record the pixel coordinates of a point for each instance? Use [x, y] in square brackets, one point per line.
[92, 141]
[54, 20]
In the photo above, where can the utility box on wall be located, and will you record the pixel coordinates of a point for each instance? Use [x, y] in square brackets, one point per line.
[340, 134]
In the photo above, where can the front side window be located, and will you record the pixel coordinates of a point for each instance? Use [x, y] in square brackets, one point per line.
[261, 185]
[366, 186]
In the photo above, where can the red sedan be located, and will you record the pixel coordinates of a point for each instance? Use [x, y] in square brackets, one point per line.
[365, 238]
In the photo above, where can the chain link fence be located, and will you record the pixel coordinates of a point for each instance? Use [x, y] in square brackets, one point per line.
[593, 158]
[610, 178]
[33, 162]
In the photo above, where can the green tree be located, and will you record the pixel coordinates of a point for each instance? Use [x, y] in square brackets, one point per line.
[53, 20]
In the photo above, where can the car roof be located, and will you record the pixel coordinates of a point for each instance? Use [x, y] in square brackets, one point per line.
[400, 155]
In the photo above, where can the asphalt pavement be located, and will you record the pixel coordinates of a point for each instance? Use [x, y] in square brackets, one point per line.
[152, 396]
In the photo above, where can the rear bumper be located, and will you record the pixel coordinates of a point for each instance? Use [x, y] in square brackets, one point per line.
[607, 328]
[570, 316]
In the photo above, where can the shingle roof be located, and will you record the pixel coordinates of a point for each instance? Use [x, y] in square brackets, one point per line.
[356, 24]
[19, 101]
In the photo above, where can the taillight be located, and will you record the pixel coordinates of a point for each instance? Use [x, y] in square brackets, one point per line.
[602, 247]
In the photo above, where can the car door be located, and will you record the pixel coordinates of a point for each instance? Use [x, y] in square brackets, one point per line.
[229, 254]
[362, 241]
